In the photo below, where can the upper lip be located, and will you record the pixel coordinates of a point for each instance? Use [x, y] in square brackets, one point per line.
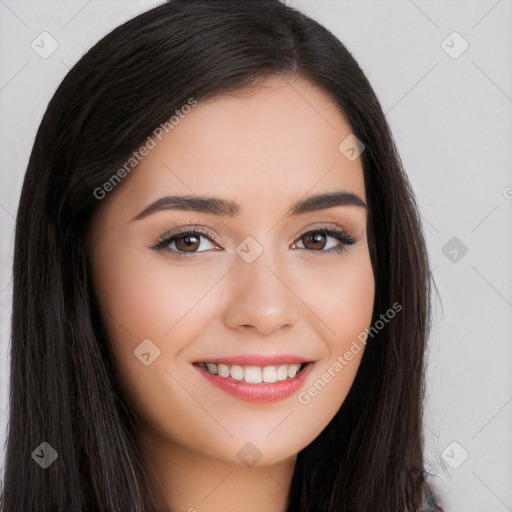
[256, 359]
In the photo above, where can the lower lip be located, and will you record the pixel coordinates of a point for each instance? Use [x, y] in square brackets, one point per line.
[263, 392]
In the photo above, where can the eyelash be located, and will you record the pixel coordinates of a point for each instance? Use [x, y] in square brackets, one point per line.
[169, 236]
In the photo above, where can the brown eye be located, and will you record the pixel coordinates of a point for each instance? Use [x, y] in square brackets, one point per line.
[318, 241]
[187, 242]
[314, 241]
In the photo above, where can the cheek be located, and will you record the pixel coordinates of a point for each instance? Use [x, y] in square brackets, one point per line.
[342, 299]
[143, 297]
[341, 295]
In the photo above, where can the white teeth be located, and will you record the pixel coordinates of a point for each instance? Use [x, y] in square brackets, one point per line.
[293, 369]
[269, 374]
[253, 374]
[236, 372]
[282, 372]
[223, 370]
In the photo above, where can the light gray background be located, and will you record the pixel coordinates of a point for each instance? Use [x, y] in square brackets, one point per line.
[451, 119]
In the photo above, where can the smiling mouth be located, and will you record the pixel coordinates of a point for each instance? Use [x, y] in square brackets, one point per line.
[254, 374]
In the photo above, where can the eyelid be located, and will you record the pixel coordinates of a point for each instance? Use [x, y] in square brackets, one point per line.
[318, 226]
[183, 230]
[326, 224]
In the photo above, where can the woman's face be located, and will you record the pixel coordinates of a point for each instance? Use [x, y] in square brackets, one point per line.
[256, 288]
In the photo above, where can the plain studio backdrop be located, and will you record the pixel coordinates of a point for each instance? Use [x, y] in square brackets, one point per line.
[443, 73]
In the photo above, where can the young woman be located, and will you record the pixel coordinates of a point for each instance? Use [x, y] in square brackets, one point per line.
[221, 287]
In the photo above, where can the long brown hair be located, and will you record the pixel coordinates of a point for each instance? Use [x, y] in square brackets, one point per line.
[62, 389]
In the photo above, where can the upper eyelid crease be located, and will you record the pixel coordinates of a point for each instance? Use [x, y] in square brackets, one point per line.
[217, 206]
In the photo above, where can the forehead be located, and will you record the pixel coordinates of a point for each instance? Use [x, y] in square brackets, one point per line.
[265, 145]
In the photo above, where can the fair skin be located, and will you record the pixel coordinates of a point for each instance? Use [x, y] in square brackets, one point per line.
[263, 148]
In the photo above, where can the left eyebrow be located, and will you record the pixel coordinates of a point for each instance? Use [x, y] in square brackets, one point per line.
[217, 206]
[324, 201]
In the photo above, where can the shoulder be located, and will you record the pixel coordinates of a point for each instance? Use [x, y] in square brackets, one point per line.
[426, 501]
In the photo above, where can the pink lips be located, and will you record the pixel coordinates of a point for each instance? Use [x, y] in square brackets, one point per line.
[262, 392]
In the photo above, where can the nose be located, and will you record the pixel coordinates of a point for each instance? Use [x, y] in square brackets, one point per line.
[261, 296]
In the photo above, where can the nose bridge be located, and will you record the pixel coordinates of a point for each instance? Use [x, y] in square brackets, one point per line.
[259, 290]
